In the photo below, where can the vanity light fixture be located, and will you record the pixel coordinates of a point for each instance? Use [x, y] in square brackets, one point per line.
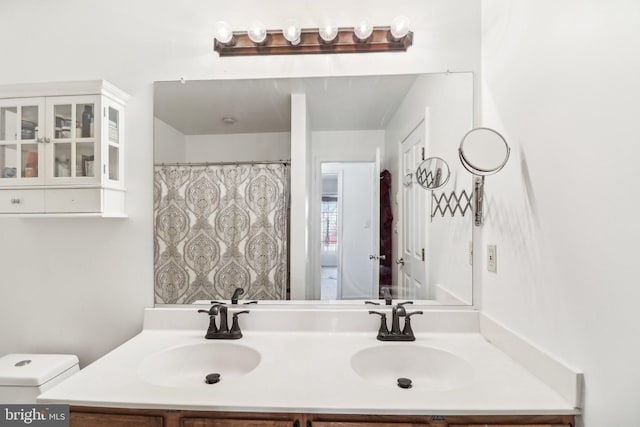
[399, 28]
[291, 32]
[257, 34]
[363, 31]
[224, 33]
[293, 39]
[328, 33]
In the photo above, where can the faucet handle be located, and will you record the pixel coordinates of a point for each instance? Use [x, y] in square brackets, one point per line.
[217, 302]
[213, 327]
[407, 330]
[235, 326]
[212, 311]
[383, 331]
[406, 302]
[372, 303]
[250, 302]
[235, 314]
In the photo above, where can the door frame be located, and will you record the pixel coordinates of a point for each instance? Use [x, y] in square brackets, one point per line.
[314, 216]
[401, 214]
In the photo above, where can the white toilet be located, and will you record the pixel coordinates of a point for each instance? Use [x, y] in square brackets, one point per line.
[24, 376]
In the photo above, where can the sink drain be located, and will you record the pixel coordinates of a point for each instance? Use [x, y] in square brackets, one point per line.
[212, 378]
[404, 383]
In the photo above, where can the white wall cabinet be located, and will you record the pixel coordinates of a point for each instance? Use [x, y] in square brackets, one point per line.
[62, 149]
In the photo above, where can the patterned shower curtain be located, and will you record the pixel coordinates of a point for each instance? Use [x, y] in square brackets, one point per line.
[220, 227]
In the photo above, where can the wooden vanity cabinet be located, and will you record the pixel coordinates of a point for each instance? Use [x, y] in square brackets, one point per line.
[365, 424]
[110, 420]
[82, 416]
[111, 417]
[206, 422]
[335, 420]
[510, 425]
[212, 422]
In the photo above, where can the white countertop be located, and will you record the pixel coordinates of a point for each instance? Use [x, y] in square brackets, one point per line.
[309, 371]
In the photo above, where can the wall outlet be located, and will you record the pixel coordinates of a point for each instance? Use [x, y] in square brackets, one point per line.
[492, 258]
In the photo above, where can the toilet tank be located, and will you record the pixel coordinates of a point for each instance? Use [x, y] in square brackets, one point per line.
[24, 376]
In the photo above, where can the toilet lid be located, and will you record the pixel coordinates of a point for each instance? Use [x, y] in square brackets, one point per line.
[33, 369]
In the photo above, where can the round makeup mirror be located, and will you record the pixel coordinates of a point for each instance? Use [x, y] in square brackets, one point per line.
[433, 173]
[483, 151]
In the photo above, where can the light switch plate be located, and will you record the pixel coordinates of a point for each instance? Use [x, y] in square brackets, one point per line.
[492, 258]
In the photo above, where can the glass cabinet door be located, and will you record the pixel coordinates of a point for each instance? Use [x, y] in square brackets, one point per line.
[21, 144]
[114, 129]
[73, 154]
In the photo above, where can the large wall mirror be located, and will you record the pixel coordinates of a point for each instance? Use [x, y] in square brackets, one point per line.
[305, 189]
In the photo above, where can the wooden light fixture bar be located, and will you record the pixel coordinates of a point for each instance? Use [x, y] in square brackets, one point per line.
[310, 42]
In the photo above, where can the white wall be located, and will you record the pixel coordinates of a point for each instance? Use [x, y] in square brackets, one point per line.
[169, 143]
[300, 183]
[346, 145]
[238, 147]
[445, 102]
[51, 303]
[560, 81]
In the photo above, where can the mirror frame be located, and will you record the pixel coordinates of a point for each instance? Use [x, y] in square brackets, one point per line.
[446, 180]
[477, 170]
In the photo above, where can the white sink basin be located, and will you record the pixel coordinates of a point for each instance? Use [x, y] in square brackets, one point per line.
[188, 365]
[426, 367]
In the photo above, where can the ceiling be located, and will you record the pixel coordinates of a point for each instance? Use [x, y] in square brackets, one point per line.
[264, 105]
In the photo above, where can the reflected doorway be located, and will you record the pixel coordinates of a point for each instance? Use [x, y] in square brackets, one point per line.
[349, 231]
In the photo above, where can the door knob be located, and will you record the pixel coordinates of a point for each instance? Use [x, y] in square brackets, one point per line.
[400, 261]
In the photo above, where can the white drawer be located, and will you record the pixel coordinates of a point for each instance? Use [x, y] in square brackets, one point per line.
[21, 201]
[73, 200]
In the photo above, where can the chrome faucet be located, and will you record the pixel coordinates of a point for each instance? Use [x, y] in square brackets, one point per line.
[223, 332]
[397, 311]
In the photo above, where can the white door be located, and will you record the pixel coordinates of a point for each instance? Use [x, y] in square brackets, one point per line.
[411, 259]
[358, 228]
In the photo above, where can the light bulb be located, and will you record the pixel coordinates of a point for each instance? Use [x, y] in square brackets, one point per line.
[258, 32]
[399, 27]
[363, 30]
[328, 32]
[291, 32]
[223, 32]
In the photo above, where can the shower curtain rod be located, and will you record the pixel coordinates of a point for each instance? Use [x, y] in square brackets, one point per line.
[250, 162]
